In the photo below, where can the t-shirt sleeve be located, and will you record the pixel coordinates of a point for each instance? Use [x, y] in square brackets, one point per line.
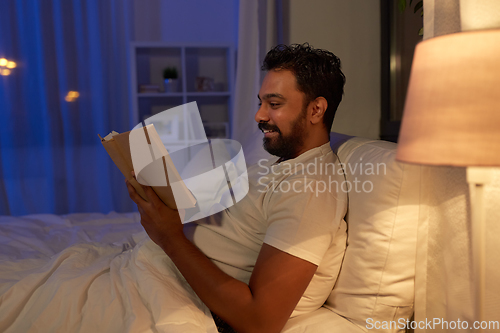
[303, 217]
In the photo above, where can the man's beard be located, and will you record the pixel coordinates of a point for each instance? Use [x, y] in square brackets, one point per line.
[287, 146]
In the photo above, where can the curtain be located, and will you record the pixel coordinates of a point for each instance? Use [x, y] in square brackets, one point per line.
[247, 82]
[51, 159]
[261, 27]
[443, 17]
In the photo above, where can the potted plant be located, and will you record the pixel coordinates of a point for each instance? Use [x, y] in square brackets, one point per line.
[170, 79]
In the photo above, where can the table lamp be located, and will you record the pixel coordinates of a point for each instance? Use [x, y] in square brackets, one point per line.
[452, 117]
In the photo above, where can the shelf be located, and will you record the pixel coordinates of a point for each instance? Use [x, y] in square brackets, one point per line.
[159, 94]
[199, 67]
[210, 62]
[189, 94]
[208, 93]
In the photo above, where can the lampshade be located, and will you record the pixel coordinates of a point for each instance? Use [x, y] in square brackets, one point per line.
[452, 108]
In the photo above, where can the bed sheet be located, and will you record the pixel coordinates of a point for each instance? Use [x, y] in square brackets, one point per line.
[91, 273]
[44, 235]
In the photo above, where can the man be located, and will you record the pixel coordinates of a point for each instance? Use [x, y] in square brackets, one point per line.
[252, 263]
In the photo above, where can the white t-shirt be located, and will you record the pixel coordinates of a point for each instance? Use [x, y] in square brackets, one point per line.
[296, 206]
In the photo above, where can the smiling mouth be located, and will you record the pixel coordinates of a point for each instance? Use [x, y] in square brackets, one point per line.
[268, 129]
[268, 133]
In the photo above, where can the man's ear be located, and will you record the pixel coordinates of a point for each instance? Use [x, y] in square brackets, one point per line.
[319, 106]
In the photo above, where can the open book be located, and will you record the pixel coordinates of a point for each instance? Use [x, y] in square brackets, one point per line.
[152, 163]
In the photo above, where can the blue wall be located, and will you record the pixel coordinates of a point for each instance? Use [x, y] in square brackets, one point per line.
[200, 21]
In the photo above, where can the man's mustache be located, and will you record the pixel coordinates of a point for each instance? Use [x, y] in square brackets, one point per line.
[268, 127]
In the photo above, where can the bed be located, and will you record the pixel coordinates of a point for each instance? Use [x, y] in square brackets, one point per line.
[104, 271]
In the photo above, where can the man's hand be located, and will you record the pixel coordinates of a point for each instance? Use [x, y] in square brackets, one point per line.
[161, 223]
[276, 285]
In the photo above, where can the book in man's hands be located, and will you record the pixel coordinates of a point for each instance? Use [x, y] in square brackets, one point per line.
[153, 165]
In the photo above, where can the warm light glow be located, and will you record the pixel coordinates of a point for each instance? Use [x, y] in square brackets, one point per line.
[6, 63]
[72, 96]
[451, 112]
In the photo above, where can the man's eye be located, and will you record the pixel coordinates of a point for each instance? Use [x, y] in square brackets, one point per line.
[273, 105]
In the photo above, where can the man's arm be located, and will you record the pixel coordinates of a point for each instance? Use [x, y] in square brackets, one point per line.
[264, 305]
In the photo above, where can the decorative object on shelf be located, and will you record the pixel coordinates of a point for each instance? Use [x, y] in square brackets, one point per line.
[204, 83]
[170, 79]
[149, 88]
[168, 126]
[151, 60]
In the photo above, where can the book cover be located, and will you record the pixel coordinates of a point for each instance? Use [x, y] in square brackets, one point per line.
[151, 163]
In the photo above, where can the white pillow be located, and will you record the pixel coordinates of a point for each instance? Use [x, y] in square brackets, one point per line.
[377, 276]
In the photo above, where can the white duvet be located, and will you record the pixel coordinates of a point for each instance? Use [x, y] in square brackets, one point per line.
[91, 273]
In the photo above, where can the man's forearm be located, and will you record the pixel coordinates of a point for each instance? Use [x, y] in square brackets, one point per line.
[230, 299]
[264, 305]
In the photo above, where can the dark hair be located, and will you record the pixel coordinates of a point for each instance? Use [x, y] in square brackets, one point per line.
[317, 72]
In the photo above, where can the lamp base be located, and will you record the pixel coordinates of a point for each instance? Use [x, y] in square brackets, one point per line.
[477, 177]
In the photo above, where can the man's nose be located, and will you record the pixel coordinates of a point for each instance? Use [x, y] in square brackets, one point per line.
[261, 115]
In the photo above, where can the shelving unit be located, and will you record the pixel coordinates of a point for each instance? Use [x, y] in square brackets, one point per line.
[148, 60]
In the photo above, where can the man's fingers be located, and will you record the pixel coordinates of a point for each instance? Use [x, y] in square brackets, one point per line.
[134, 195]
[132, 192]
[144, 187]
[152, 196]
[141, 203]
[150, 193]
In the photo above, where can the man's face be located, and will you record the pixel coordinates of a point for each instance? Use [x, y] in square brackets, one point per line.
[282, 115]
